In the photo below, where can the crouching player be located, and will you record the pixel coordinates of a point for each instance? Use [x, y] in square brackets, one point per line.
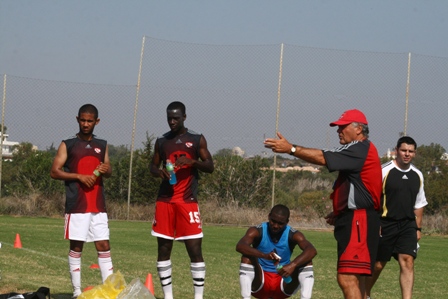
[266, 269]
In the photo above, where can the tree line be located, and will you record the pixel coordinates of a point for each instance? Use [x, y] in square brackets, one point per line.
[237, 181]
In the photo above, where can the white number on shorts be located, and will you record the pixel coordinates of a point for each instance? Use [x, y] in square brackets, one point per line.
[194, 217]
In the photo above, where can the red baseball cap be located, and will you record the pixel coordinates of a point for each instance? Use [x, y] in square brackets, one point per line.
[350, 116]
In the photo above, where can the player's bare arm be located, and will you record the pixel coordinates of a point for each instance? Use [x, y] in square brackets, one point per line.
[58, 173]
[304, 258]
[205, 164]
[281, 145]
[244, 246]
[105, 168]
[155, 169]
[419, 220]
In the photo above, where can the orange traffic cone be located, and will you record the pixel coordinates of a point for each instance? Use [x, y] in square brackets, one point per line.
[148, 283]
[17, 242]
[94, 266]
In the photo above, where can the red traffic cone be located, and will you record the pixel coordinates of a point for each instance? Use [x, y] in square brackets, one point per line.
[148, 283]
[17, 242]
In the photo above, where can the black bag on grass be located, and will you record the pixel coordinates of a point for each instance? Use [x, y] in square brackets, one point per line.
[41, 293]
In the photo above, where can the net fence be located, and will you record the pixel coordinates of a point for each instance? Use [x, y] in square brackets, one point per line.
[238, 95]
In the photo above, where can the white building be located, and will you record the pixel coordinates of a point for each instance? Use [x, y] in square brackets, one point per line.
[8, 146]
[237, 151]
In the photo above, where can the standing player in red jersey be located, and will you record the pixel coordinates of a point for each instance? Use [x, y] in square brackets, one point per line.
[82, 161]
[356, 197]
[177, 214]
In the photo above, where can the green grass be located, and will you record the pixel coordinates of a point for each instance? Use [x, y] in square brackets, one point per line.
[43, 261]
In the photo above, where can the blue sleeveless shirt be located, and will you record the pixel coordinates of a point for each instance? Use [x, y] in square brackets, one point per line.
[281, 247]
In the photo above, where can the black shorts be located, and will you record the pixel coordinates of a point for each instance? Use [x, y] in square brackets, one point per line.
[397, 237]
[357, 234]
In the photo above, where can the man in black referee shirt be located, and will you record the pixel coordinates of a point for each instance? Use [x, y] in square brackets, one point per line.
[402, 202]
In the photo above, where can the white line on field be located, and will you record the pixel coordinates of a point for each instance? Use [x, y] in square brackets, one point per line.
[42, 253]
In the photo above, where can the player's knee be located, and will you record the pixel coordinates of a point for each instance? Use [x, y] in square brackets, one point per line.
[102, 245]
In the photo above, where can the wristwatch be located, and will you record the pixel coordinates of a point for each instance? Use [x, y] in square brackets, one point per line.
[293, 150]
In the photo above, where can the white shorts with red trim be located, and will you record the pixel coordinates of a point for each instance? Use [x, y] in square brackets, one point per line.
[87, 227]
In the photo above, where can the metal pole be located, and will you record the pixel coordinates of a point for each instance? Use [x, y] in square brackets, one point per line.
[276, 120]
[407, 96]
[2, 131]
[133, 126]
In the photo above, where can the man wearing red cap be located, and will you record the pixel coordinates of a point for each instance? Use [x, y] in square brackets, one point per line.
[356, 197]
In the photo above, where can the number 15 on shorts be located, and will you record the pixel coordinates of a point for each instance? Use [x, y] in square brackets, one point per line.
[194, 217]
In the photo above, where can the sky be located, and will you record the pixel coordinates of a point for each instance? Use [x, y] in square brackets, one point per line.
[99, 41]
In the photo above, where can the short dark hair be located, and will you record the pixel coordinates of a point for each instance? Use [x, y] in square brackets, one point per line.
[407, 140]
[88, 108]
[280, 210]
[176, 105]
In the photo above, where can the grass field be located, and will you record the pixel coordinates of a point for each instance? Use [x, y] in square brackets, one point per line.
[42, 261]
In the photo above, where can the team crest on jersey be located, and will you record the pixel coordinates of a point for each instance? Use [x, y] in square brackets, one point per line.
[97, 150]
[188, 144]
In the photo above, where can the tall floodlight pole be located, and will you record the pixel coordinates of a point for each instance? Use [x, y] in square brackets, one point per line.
[276, 121]
[133, 126]
[407, 96]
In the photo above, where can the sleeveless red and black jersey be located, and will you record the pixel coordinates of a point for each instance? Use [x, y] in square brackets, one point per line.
[172, 147]
[358, 185]
[83, 157]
